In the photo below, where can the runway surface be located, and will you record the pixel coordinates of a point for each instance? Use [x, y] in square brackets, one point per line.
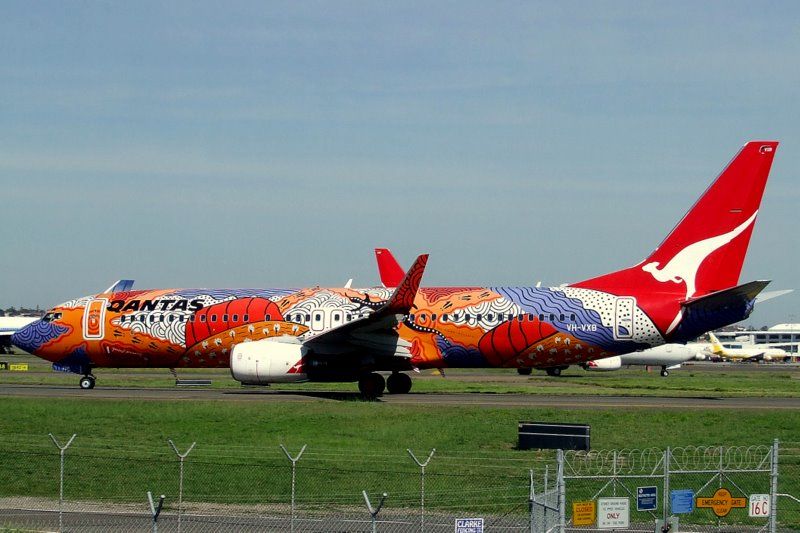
[465, 399]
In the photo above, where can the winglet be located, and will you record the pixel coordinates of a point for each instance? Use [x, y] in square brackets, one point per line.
[403, 297]
[389, 269]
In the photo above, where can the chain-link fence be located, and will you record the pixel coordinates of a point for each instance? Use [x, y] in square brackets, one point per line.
[103, 486]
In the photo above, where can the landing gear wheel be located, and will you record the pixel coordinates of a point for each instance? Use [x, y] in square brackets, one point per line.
[554, 371]
[87, 382]
[524, 371]
[398, 383]
[664, 372]
[371, 385]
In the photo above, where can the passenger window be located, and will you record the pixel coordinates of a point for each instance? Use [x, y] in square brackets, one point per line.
[213, 318]
[235, 318]
[444, 318]
[224, 318]
[478, 317]
[202, 318]
[561, 317]
[433, 317]
[572, 317]
[267, 318]
[246, 318]
[422, 317]
[467, 317]
[308, 318]
[490, 317]
[552, 317]
[541, 317]
[411, 317]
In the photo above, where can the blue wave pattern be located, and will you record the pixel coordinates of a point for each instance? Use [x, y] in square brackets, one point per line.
[224, 294]
[459, 356]
[544, 300]
[36, 334]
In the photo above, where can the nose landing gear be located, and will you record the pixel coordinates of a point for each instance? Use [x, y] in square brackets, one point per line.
[87, 382]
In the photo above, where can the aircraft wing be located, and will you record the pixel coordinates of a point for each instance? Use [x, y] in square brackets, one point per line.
[378, 330]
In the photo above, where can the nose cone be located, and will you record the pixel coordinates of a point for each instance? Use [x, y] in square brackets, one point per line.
[33, 336]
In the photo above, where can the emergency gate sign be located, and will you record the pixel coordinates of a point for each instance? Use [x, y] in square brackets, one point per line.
[613, 513]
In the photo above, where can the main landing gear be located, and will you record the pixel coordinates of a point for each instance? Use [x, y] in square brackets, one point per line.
[398, 383]
[555, 370]
[526, 371]
[372, 385]
[87, 382]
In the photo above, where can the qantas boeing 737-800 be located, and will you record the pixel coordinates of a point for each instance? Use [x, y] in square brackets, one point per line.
[689, 285]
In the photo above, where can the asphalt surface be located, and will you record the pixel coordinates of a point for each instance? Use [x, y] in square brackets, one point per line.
[434, 399]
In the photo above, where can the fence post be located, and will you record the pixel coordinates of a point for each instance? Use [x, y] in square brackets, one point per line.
[773, 497]
[665, 504]
[422, 484]
[373, 511]
[61, 450]
[155, 510]
[562, 500]
[294, 465]
[181, 457]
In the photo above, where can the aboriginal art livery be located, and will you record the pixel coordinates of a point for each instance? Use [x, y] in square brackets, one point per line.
[687, 286]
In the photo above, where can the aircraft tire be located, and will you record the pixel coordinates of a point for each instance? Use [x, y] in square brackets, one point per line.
[371, 385]
[87, 382]
[524, 371]
[664, 372]
[554, 371]
[398, 383]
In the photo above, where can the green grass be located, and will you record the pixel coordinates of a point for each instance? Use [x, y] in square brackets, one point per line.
[692, 380]
[121, 450]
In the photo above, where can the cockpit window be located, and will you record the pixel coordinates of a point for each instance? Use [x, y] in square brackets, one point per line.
[49, 317]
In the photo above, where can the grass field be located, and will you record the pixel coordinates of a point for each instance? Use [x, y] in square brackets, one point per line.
[698, 380]
[121, 449]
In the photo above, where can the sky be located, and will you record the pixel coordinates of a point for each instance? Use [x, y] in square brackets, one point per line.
[275, 144]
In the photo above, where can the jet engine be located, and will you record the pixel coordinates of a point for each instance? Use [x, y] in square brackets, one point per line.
[268, 361]
[606, 364]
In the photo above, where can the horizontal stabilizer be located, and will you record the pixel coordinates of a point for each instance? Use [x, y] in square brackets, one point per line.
[764, 296]
[716, 300]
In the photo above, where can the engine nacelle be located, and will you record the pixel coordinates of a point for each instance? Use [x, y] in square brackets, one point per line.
[606, 364]
[268, 361]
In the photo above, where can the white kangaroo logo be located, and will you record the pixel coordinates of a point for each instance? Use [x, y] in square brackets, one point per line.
[685, 264]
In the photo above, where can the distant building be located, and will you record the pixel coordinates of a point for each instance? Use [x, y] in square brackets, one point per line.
[788, 333]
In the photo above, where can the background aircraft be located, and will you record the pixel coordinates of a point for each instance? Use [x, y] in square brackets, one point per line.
[687, 286]
[10, 325]
[738, 351]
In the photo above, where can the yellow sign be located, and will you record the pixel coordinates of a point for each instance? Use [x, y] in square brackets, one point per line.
[18, 367]
[583, 513]
[721, 502]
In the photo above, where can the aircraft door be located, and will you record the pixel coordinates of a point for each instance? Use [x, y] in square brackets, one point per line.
[623, 318]
[94, 319]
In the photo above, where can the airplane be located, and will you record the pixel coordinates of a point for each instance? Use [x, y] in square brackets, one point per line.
[667, 356]
[747, 352]
[10, 325]
[689, 285]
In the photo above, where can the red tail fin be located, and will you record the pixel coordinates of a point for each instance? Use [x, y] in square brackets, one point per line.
[705, 251]
[390, 271]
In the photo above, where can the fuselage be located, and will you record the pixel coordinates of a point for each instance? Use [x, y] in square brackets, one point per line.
[448, 327]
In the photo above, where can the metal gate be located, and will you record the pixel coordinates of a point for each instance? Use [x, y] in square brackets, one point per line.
[699, 489]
